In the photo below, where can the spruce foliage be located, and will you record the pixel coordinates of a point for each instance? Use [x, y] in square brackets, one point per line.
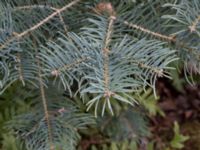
[99, 51]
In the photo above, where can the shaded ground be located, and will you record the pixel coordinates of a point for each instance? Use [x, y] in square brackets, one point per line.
[182, 106]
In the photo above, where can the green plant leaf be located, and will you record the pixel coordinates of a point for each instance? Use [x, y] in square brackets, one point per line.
[178, 139]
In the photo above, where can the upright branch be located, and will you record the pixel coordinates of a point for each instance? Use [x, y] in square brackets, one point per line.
[44, 101]
[57, 12]
[107, 8]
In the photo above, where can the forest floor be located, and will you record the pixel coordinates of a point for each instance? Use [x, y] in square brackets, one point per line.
[182, 106]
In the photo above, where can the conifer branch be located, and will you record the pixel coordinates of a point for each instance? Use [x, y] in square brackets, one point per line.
[57, 71]
[34, 7]
[44, 101]
[21, 77]
[193, 50]
[13, 33]
[156, 34]
[24, 33]
[156, 70]
[194, 24]
[106, 51]
[58, 11]
[63, 23]
[170, 39]
[44, 7]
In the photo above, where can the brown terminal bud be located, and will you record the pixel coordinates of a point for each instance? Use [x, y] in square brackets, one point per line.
[55, 73]
[104, 7]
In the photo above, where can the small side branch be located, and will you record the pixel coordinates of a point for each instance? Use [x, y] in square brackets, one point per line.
[21, 77]
[34, 7]
[43, 7]
[57, 12]
[159, 72]
[158, 35]
[48, 18]
[57, 71]
[170, 39]
[194, 24]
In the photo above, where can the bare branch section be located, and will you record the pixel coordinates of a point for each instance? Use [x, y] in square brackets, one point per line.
[194, 24]
[57, 12]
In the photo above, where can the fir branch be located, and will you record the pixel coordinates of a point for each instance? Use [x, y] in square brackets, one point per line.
[170, 39]
[18, 60]
[106, 53]
[31, 29]
[13, 33]
[194, 24]
[157, 71]
[34, 7]
[63, 23]
[44, 7]
[44, 101]
[190, 50]
[145, 30]
[58, 11]
[57, 71]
